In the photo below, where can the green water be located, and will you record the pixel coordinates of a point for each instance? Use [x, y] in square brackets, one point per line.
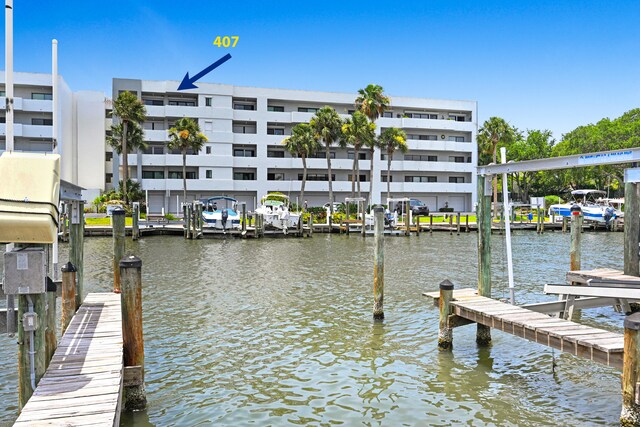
[280, 332]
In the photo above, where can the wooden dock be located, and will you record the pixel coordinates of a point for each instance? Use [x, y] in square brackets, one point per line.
[84, 381]
[583, 341]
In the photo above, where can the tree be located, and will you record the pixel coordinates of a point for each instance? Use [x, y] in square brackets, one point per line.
[493, 132]
[186, 135]
[326, 125]
[392, 139]
[372, 102]
[357, 131]
[135, 138]
[537, 145]
[129, 109]
[302, 143]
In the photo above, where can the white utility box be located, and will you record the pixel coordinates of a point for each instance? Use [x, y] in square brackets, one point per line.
[29, 197]
[25, 272]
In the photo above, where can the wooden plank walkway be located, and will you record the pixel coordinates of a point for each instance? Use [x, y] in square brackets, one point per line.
[602, 275]
[583, 341]
[83, 384]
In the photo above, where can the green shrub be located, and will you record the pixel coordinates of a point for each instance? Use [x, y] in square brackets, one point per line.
[170, 217]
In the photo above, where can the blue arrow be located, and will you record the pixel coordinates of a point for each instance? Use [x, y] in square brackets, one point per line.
[187, 82]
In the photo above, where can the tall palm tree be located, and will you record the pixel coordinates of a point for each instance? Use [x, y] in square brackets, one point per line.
[372, 102]
[183, 136]
[326, 125]
[357, 131]
[494, 132]
[129, 109]
[135, 138]
[302, 143]
[392, 139]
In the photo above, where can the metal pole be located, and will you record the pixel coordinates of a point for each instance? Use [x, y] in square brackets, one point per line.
[8, 14]
[507, 226]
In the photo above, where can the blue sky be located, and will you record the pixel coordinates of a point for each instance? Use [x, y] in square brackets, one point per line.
[538, 64]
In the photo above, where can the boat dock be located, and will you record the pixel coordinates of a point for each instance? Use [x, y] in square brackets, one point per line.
[84, 381]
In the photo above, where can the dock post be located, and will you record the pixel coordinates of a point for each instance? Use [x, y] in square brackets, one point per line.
[565, 222]
[466, 223]
[576, 237]
[135, 226]
[51, 339]
[310, 222]
[542, 220]
[430, 223]
[378, 263]
[25, 390]
[630, 414]
[76, 247]
[117, 217]
[68, 295]
[445, 333]
[134, 398]
[244, 219]
[451, 225]
[185, 220]
[407, 220]
[631, 226]
[483, 334]
[458, 224]
[538, 220]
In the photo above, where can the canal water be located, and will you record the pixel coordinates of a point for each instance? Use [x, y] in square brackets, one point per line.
[280, 332]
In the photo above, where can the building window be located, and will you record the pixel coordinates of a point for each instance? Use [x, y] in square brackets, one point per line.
[42, 122]
[275, 131]
[108, 156]
[275, 153]
[244, 152]
[456, 179]
[275, 176]
[244, 127]
[432, 158]
[421, 116]
[154, 149]
[147, 101]
[384, 178]
[240, 106]
[208, 126]
[153, 125]
[457, 117]
[3, 119]
[388, 114]
[322, 155]
[207, 149]
[363, 178]
[420, 179]
[209, 173]
[456, 138]
[207, 101]
[317, 177]
[351, 111]
[3, 93]
[307, 110]
[153, 174]
[182, 103]
[42, 96]
[244, 176]
[276, 108]
[361, 156]
[175, 175]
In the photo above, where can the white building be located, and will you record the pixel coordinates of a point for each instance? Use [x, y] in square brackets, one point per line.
[80, 131]
[244, 157]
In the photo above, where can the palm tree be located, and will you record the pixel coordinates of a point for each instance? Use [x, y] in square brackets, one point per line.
[129, 109]
[392, 139]
[135, 139]
[326, 125]
[357, 131]
[183, 136]
[302, 143]
[493, 132]
[372, 102]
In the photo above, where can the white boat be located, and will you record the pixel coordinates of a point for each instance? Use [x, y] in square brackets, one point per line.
[594, 208]
[220, 212]
[274, 208]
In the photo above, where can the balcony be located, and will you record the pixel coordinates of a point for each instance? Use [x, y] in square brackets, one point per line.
[409, 165]
[37, 105]
[156, 135]
[431, 187]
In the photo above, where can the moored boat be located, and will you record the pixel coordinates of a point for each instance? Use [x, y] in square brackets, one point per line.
[594, 207]
[274, 208]
[220, 212]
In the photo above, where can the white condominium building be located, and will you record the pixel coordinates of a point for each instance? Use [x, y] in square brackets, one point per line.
[244, 157]
[80, 129]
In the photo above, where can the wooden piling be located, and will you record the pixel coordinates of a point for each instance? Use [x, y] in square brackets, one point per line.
[310, 223]
[244, 219]
[117, 218]
[134, 398]
[68, 295]
[76, 247]
[135, 225]
[450, 224]
[631, 229]
[630, 414]
[430, 223]
[576, 238]
[458, 224]
[483, 212]
[565, 222]
[407, 222]
[466, 223]
[51, 340]
[541, 214]
[25, 391]
[378, 263]
[445, 333]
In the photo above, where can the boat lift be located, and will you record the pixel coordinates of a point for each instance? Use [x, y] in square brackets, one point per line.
[403, 204]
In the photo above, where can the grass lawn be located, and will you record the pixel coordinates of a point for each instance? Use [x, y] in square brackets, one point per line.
[105, 221]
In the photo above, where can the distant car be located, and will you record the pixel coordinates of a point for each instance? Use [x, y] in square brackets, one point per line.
[418, 208]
